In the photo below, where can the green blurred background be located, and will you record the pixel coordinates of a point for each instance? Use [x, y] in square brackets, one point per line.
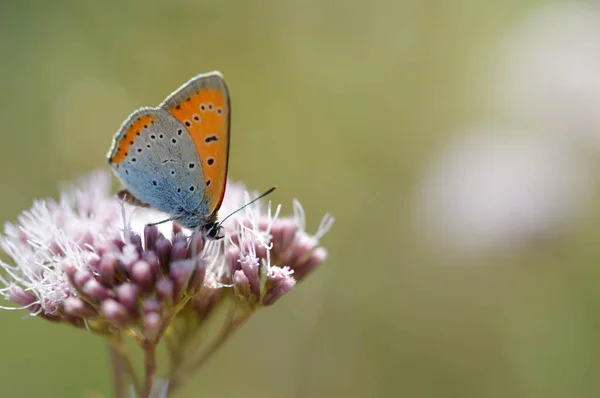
[344, 104]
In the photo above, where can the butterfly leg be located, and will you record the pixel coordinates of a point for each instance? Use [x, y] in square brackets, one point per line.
[160, 222]
[128, 197]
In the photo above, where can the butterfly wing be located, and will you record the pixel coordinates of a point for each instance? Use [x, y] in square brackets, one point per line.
[157, 161]
[202, 106]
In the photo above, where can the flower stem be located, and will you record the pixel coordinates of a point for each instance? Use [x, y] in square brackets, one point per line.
[178, 379]
[149, 368]
[122, 366]
[119, 382]
[233, 326]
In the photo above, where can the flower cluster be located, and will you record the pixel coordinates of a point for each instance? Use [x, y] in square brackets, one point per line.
[93, 261]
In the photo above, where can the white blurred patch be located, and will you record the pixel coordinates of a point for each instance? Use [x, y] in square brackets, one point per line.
[547, 72]
[495, 191]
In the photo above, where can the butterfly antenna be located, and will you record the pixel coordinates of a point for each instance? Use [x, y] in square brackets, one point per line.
[161, 222]
[248, 204]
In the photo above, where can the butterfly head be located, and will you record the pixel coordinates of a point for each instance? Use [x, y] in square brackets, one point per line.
[212, 230]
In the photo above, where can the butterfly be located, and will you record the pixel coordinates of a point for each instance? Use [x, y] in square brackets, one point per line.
[174, 157]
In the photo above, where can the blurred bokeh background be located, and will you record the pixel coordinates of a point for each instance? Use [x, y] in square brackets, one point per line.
[456, 143]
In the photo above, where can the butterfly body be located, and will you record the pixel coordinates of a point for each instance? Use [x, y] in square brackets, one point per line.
[174, 157]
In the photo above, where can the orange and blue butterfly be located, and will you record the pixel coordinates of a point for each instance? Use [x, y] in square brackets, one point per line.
[174, 157]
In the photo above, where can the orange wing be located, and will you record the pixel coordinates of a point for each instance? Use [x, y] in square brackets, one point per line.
[122, 142]
[202, 106]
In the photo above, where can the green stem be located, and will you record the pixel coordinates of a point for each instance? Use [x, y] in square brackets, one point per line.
[149, 368]
[177, 380]
[122, 365]
[118, 371]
